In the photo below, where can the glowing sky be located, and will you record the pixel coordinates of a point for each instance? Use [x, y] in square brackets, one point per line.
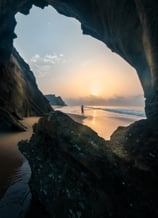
[69, 64]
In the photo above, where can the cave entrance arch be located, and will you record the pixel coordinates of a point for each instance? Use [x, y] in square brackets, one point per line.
[132, 35]
[67, 62]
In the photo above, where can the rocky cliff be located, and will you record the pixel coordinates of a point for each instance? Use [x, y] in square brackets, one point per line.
[19, 94]
[55, 100]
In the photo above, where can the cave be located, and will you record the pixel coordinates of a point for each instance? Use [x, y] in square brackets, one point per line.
[138, 51]
[130, 30]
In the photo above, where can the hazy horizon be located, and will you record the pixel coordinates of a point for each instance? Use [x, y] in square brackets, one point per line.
[137, 100]
[72, 65]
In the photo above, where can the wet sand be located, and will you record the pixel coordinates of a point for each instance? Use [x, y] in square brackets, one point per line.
[10, 156]
[77, 118]
[102, 121]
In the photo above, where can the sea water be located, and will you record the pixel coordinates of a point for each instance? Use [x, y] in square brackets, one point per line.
[106, 119]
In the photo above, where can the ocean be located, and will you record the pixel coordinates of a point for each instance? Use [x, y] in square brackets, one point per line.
[106, 119]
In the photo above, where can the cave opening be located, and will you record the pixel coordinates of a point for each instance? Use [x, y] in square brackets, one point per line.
[77, 67]
[81, 167]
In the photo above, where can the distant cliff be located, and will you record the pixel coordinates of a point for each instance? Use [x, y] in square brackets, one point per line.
[55, 100]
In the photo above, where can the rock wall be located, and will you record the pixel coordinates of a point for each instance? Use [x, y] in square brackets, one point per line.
[19, 94]
[128, 28]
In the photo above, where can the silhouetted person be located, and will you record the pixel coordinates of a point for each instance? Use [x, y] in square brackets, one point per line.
[82, 109]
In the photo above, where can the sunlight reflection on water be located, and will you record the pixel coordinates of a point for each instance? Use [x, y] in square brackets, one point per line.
[105, 120]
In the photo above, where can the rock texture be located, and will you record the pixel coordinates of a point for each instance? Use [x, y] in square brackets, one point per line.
[86, 179]
[128, 28]
[55, 100]
[9, 122]
[76, 174]
[19, 94]
[139, 141]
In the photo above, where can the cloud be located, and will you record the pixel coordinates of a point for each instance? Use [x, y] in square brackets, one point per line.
[48, 59]
[42, 65]
[52, 59]
[35, 58]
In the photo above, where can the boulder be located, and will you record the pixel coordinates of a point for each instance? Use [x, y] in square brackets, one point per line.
[75, 173]
[67, 165]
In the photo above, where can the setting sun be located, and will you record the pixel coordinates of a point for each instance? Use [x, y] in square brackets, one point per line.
[95, 92]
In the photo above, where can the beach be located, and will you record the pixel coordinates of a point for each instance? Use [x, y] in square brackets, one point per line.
[77, 118]
[104, 120]
[10, 156]
[14, 172]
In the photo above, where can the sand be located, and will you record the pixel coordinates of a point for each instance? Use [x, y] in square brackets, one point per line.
[12, 139]
[10, 156]
[77, 118]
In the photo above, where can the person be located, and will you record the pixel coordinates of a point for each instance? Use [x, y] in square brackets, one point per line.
[82, 109]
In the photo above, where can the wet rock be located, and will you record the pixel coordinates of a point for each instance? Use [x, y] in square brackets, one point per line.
[139, 141]
[75, 173]
[67, 165]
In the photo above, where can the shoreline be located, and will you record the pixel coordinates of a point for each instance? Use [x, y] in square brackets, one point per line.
[10, 156]
[13, 138]
[77, 118]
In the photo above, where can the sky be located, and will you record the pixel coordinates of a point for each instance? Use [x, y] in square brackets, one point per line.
[67, 63]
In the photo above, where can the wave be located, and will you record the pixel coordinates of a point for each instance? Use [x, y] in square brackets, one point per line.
[133, 112]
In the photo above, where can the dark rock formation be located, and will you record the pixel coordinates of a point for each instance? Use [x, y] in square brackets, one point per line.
[73, 175]
[19, 94]
[128, 28]
[76, 174]
[55, 100]
[72, 158]
[139, 141]
[8, 122]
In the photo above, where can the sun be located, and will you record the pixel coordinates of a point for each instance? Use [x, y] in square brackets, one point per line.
[95, 92]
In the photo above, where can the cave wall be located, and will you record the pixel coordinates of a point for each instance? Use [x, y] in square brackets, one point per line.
[128, 28]
[19, 94]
